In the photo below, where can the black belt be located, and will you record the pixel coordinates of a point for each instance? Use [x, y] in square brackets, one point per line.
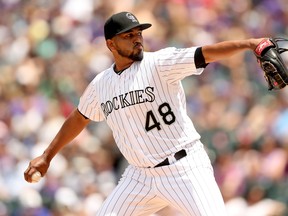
[178, 155]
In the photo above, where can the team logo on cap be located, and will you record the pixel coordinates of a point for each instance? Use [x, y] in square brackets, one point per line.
[131, 17]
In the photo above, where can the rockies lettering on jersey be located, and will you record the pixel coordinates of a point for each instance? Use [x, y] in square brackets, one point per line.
[128, 99]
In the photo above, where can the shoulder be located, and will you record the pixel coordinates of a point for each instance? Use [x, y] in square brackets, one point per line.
[102, 75]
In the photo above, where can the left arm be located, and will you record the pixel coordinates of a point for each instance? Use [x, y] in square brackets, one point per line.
[226, 49]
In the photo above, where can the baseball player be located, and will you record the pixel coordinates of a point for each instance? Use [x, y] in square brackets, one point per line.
[142, 100]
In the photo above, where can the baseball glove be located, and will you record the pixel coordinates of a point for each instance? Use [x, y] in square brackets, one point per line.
[269, 58]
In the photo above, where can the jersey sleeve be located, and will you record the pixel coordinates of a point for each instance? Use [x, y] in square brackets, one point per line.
[89, 105]
[175, 64]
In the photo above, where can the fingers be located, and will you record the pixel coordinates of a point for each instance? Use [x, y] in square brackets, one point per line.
[38, 164]
[30, 173]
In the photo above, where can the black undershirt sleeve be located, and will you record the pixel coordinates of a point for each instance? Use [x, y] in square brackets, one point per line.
[199, 58]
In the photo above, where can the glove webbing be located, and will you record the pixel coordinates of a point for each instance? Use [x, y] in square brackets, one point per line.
[280, 49]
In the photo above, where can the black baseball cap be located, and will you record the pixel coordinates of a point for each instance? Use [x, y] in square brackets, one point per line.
[120, 23]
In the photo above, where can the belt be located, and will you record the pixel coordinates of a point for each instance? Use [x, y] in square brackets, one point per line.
[178, 155]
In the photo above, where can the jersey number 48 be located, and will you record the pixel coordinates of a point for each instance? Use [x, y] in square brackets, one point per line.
[166, 114]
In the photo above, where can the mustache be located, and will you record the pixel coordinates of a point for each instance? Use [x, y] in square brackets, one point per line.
[137, 44]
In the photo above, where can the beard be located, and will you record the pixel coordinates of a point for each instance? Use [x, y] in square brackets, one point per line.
[134, 56]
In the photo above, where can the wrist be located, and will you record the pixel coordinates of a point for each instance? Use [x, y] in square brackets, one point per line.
[254, 42]
[47, 156]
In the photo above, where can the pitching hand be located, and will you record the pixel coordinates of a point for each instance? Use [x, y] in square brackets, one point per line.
[40, 164]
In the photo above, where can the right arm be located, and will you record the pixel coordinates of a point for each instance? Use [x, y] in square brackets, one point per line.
[72, 126]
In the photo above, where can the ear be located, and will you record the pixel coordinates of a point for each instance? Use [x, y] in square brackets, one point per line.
[110, 44]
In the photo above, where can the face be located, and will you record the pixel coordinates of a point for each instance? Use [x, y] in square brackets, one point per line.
[129, 44]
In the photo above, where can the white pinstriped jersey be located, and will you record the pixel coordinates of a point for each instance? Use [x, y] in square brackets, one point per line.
[145, 106]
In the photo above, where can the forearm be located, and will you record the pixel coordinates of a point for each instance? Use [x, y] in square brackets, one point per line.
[226, 49]
[73, 125]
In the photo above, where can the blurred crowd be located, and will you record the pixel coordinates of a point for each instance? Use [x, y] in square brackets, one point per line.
[51, 50]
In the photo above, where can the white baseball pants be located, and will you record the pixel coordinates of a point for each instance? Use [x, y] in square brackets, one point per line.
[188, 185]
